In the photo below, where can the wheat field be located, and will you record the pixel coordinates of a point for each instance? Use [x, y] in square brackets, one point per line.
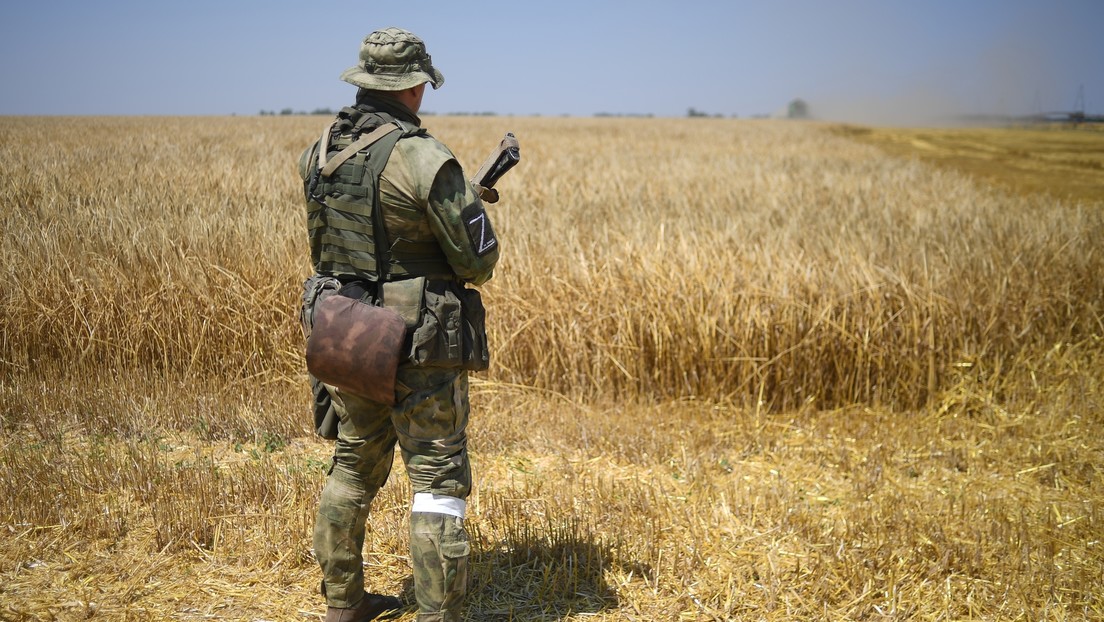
[741, 370]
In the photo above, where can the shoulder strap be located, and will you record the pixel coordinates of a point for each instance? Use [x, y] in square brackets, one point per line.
[327, 168]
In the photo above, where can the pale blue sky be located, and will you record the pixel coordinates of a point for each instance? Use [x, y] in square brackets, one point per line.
[856, 60]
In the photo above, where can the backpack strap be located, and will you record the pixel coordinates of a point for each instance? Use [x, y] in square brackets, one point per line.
[327, 168]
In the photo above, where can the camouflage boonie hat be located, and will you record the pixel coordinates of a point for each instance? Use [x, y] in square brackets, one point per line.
[393, 59]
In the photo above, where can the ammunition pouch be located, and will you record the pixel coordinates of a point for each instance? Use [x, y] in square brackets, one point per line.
[406, 298]
[451, 331]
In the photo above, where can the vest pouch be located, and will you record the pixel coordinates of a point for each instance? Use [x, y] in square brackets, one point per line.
[407, 298]
[477, 356]
[451, 332]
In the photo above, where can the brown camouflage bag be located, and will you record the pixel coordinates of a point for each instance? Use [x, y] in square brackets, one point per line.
[354, 346]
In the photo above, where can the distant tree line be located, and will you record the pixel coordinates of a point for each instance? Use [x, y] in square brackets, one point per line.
[288, 112]
[645, 115]
[694, 113]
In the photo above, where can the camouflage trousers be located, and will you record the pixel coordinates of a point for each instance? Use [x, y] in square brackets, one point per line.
[429, 423]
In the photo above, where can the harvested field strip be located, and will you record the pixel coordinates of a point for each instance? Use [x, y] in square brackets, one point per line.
[1065, 162]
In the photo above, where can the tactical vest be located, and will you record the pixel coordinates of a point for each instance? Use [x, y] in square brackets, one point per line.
[344, 219]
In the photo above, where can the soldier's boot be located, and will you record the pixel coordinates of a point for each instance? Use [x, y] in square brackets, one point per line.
[371, 607]
[439, 549]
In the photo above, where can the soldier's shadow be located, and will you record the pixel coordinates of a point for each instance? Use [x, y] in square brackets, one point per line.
[529, 578]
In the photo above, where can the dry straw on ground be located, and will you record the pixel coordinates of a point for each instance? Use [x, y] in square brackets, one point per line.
[742, 370]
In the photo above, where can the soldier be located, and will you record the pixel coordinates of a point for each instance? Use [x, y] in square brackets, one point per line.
[398, 213]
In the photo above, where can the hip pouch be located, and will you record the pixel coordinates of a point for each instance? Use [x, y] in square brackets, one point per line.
[355, 346]
[451, 331]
